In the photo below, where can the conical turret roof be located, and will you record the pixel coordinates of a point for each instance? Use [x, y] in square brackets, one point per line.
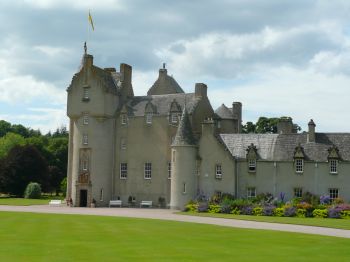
[184, 134]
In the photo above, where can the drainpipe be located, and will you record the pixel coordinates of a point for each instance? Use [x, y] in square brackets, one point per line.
[274, 178]
[236, 176]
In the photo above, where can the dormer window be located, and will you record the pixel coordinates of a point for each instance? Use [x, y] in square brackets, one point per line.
[252, 155]
[175, 111]
[251, 165]
[86, 96]
[124, 119]
[333, 159]
[150, 110]
[333, 166]
[299, 165]
[299, 157]
[174, 118]
[149, 118]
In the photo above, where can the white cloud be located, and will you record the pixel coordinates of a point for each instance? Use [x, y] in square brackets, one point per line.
[76, 4]
[51, 51]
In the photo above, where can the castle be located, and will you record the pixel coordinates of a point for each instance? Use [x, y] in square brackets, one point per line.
[170, 146]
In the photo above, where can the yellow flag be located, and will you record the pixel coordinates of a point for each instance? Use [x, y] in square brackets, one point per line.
[91, 22]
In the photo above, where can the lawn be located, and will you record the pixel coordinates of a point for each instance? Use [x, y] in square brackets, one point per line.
[52, 237]
[10, 201]
[320, 222]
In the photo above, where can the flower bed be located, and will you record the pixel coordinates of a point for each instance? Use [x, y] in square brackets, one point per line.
[266, 205]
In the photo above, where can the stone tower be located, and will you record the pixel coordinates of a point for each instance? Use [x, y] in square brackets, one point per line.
[92, 102]
[184, 165]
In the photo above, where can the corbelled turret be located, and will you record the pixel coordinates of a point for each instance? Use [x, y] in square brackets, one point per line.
[183, 161]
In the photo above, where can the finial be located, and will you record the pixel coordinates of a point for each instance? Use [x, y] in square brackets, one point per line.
[163, 65]
[85, 48]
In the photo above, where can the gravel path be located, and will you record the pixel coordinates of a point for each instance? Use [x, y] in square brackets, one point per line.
[166, 214]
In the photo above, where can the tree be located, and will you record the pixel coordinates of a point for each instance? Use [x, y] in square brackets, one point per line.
[5, 127]
[22, 165]
[249, 127]
[9, 141]
[265, 125]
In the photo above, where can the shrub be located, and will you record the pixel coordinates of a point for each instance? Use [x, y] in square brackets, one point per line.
[226, 205]
[320, 213]
[310, 198]
[345, 214]
[278, 212]
[268, 210]
[337, 201]
[235, 211]
[214, 208]
[240, 203]
[295, 201]
[334, 212]
[247, 210]
[33, 190]
[290, 211]
[257, 211]
[202, 207]
[301, 212]
[191, 206]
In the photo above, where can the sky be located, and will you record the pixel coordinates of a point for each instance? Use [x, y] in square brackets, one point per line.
[278, 58]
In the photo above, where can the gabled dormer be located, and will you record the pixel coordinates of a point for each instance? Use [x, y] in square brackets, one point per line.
[299, 157]
[252, 156]
[150, 111]
[174, 112]
[333, 159]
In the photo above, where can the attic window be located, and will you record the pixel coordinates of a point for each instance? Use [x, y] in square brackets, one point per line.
[124, 119]
[251, 165]
[174, 117]
[149, 118]
[299, 165]
[333, 166]
[86, 97]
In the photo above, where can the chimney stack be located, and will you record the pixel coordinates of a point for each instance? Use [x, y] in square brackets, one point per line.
[237, 114]
[201, 90]
[311, 136]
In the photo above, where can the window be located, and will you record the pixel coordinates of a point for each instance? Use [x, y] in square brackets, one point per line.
[251, 192]
[333, 193]
[86, 94]
[218, 171]
[149, 118]
[299, 165]
[123, 170]
[86, 120]
[148, 171]
[184, 188]
[124, 119]
[298, 192]
[174, 155]
[333, 166]
[219, 124]
[251, 165]
[85, 165]
[123, 143]
[85, 139]
[101, 194]
[169, 170]
[174, 117]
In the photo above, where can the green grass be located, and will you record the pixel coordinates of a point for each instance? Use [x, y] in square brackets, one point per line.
[50, 237]
[319, 222]
[10, 201]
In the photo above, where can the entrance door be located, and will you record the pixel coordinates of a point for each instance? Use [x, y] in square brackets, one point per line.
[83, 198]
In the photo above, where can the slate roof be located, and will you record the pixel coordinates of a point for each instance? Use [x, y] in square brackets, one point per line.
[224, 112]
[279, 147]
[184, 135]
[165, 84]
[161, 103]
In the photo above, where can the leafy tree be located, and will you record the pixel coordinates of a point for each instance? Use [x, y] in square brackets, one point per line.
[5, 127]
[22, 165]
[265, 125]
[55, 178]
[9, 141]
[249, 127]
